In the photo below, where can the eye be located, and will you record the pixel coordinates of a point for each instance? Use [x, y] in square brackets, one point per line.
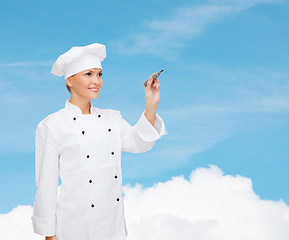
[88, 74]
[100, 74]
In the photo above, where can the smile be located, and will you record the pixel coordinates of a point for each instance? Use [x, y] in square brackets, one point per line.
[94, 89]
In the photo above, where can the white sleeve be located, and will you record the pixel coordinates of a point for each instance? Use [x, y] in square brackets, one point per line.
[46, 179]
[142, 136]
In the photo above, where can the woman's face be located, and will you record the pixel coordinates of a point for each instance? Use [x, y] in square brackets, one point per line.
[87, 83]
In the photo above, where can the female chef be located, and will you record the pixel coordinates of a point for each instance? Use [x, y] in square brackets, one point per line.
[82, 144]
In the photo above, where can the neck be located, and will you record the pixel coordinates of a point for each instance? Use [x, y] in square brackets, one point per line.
[83, 103]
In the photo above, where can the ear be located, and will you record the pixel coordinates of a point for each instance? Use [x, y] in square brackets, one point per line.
[68, 81]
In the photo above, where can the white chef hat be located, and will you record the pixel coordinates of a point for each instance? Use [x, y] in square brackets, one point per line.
[78, 59]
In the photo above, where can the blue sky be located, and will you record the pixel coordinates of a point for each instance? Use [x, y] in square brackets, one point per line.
[224, 89]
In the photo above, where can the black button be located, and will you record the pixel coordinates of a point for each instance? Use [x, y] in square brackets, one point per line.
[112, 153]
[90, 181]
[109, 129]
[74, 118]
[83, 132]
[87, 156]
[92, 205]
[117, 199]
[99, 115]
[115, 176]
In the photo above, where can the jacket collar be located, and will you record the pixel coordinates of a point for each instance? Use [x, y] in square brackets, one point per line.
[75, 109]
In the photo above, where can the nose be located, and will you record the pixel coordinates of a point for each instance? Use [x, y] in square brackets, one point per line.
[96, 80]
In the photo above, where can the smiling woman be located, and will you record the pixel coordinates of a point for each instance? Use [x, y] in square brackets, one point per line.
[85, 84]
[88, 72]
[82, 144]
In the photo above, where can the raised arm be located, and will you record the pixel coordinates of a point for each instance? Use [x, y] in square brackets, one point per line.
[142, 136]
[150, 126]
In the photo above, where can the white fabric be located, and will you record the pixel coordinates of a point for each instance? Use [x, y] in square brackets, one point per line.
[78, 59]
[63, 142]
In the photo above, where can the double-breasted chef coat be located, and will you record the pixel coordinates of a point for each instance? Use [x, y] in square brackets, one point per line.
[85, 151]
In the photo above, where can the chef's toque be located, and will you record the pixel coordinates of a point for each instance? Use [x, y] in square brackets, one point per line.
[78, 59]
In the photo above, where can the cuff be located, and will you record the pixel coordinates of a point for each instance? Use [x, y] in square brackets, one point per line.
[44, 227]
[147, 131]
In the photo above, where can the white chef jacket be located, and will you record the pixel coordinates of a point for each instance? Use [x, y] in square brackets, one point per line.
[85, 151]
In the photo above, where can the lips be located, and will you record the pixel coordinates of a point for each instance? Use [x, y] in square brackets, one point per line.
[94, 89]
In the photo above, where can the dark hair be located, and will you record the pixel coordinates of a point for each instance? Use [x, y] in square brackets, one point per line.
[68, 88]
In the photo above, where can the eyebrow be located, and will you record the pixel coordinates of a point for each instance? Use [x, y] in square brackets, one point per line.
[93, 71]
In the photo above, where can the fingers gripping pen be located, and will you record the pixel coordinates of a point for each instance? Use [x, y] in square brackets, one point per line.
[155, 75]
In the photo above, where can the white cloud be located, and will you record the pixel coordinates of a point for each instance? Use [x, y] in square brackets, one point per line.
[210, 205]
[163, 37]
[17, 224]
[207, 206]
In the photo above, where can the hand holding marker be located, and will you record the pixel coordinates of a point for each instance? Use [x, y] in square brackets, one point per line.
[155, 75]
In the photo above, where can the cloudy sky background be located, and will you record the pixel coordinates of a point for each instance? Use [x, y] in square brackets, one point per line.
[222, 170]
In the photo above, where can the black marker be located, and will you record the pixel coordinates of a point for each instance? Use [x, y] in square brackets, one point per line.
[155, 75]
